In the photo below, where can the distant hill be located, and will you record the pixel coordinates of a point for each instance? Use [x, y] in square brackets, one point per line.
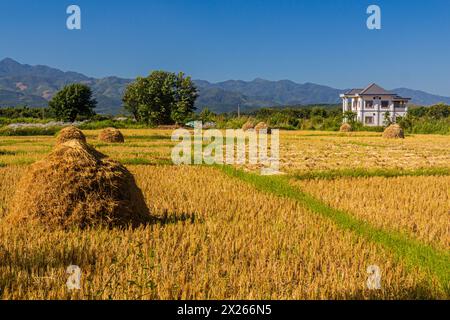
[420, 97]
[12, 98]
[22, 84]
[262, 93]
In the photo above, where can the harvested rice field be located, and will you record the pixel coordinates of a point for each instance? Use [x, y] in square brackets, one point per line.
[346, 202]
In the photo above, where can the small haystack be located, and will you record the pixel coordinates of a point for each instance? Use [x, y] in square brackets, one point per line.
[77, 186]
[70, 133]
[262, 126]
[346, 128]
[394, 131]
[111, 135]
[248, 126]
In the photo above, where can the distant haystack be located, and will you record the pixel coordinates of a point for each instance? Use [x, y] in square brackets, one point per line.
[262, 126]
[394, 131]
[111, 135]
[77, 186]
[70, 133]
[346, 128]
[249, 125]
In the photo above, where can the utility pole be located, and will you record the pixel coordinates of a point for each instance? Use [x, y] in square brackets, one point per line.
[239, 110]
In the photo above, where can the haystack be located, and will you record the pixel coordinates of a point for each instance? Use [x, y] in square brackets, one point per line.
[262, 126]
[77, 186]
[346, 128]
[248, 126]
[394, 131]
[111, 135]
[70, 133]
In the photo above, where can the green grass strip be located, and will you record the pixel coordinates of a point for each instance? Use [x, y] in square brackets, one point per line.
[367, 173]
[412, 251]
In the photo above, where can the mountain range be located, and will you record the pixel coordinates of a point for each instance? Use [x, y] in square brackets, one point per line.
[22, 84]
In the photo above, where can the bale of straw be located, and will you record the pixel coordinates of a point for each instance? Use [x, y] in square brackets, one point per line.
[346, 128]
[248, 126]
[70, 133]
[262, 126]
[394, 131]
[111, 135]
[77, 186]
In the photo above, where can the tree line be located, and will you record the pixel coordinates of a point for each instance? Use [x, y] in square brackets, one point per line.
[169, 98]
[161, 98]
[433, 119]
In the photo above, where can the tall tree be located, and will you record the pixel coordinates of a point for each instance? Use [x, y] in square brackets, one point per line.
[72, 101]
[350, 116]
[185, 95]
[161, 98]
[387, 121]
[439, 111]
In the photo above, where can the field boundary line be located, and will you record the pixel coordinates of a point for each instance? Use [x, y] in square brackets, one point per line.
[412, 251]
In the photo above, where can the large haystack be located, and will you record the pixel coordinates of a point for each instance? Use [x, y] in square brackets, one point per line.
[394, 131]
[111, 135]
[346, 128]
[248, 126]
[77, 186]
[70, 133]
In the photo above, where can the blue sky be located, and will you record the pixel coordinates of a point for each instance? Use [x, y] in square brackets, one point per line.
[320, 41]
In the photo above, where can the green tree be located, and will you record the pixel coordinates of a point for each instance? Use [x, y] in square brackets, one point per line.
[72, 101]
[207, 115]
[185, 95]
[405, 122]
[418, 111]
[439, 111]
[387, 121]
[161, 98]
[350, 117]
[318, 112]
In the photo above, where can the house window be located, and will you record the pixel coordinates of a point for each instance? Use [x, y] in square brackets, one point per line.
[385, 104]
[368, 120]
[369, 104]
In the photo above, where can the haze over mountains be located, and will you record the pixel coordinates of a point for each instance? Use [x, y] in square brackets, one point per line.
[22, 84]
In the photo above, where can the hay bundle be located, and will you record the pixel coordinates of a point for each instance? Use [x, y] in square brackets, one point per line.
[77, 186]
[394, 131]
[262, 126]
[70, 133]
[248, 126]
[346, 128]
[112, 135]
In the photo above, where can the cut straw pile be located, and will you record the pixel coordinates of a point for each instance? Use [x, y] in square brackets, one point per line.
[261, 127]
[77, 186]
[70, 133]
[346, 128]
[111, 135]
[248, 126]
[394, 131]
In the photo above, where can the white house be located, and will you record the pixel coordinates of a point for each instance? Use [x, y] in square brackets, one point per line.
[371, 104]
